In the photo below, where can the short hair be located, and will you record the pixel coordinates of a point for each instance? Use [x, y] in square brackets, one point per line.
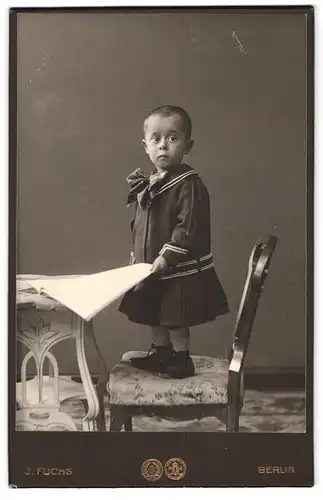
[168, 110]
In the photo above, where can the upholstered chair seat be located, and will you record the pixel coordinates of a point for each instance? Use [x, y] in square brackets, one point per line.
[131, 386]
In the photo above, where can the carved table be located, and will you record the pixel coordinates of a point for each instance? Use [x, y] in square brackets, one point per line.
[42, 322]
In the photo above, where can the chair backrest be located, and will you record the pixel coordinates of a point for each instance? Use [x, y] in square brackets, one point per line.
[259, 262]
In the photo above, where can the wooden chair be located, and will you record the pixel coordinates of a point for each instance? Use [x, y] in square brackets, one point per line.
[217, 387]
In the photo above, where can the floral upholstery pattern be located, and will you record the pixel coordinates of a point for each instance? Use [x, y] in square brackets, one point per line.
[262, 411]
[131, 386]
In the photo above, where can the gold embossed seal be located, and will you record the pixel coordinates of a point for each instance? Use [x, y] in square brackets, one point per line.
[175, 468]
[152, 469]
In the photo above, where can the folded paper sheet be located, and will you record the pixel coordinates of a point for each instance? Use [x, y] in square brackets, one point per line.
[88, 295]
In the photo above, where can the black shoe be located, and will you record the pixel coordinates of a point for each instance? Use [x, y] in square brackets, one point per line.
[181, 365]
[157, 360]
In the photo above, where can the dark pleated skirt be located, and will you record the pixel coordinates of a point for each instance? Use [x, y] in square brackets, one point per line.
[177, 302]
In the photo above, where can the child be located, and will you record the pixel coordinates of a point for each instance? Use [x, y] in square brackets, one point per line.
[171, 230]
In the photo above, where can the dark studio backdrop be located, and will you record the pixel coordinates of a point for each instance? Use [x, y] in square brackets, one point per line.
[85, 82]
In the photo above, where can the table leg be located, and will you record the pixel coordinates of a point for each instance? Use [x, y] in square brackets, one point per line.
[39, 407]
[38, 332]
[90, 420]
[103, 376]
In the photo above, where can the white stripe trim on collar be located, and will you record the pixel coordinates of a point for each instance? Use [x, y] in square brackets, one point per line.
[175, 181]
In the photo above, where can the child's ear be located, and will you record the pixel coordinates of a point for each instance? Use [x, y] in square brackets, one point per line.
[145, 145]
[189, 146]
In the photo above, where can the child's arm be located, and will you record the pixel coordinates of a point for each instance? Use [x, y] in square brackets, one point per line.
[132, 259]
[159, 265]
[184, 233]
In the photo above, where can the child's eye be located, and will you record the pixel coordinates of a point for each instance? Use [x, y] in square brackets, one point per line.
[155, 140]
[172, 138]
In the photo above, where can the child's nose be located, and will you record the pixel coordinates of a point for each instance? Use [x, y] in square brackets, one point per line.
[163, 144]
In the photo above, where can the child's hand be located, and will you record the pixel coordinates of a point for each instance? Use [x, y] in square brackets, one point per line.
[159, 264]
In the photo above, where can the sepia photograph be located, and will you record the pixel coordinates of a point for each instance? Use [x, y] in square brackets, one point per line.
[162, 202]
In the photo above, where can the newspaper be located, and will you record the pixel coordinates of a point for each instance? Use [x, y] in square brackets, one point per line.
[87, 295]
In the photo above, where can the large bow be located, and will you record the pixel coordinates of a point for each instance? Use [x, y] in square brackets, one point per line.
[143, 188]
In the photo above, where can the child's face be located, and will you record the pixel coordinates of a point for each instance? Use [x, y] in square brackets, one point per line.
[165, 141]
